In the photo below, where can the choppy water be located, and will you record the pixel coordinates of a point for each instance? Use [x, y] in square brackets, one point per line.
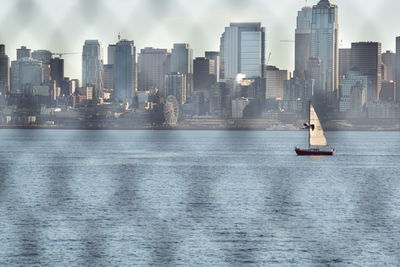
[197, 198]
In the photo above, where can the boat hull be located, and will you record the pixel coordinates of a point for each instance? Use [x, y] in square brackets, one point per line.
[314, 152]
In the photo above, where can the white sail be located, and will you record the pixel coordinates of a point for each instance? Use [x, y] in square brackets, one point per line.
[317, 136]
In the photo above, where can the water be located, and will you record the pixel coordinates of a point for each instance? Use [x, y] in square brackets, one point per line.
[197, 198]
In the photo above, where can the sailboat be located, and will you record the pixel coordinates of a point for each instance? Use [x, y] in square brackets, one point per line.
[318, 144]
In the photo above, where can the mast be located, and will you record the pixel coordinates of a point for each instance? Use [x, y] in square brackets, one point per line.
[309, 123]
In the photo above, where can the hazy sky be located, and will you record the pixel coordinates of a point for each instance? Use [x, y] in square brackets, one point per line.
[63, 25]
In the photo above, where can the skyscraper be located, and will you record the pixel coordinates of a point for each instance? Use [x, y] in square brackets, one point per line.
[25, 74]
[303, 41]
[203, 75]
[124, 71]
[367, 57]
[182, 62]
[324, 44]
[57, 71]
[397, 70]
[45, 57]
[389, 60]
[215, 62]
[175, 85]
[111, 54]
[92, 66]
[243, 50]
[23, 52]
[275, 82]
[154, 64]
[182, 59]
[344, 62]
[4, 70]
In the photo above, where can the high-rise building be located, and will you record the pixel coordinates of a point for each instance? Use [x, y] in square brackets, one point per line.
[303, 41]
[57, 71]
[182, 62]
[175, 85]
[4, 71]
[25, 74]
[111, 54]
[397, 69]
[215, 62]
[275, 82]
[354, 90]
[23, 52]
[45, 57]
[154, 64]
[367, 57]
[344, 62]
[324, 44]
[242, 50]
[108, 76]
[389, 61]
[125, 71]
[204, 74]
[182, 59]
[92, 66]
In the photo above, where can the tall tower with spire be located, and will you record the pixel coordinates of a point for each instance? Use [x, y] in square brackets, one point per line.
[324, 45]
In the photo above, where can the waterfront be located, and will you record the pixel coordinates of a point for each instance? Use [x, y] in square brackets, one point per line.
[197, 198]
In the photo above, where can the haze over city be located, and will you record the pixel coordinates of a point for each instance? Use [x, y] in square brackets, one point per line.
[63, 26]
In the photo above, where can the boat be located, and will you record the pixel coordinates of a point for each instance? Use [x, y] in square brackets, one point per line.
[318, 144]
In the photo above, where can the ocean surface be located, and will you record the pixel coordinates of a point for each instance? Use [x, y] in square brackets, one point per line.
[197, 198]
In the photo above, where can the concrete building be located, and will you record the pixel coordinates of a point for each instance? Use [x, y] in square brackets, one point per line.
[344, 62]
[397, 69]
[298, 89]
[23, 52]
[108, 76]
[125, 71]
[324, 45]
[154, 64]
[4, 71]
[176, 85]
[367, 57]
[275, 79]
[204, 74]
[25, 73]
[111, 54]
[389, 61]
[45, 57]
[353, 95]
[92, 66]
[238, 107]
[303, 41]
[388, 91]
[242, 50]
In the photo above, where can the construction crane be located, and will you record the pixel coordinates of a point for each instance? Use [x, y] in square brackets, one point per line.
[60, 55]
[269, 58]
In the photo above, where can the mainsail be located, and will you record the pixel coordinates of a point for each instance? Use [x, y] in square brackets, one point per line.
[317, 136]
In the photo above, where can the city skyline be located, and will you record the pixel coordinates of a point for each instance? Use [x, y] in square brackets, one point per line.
[43, 28]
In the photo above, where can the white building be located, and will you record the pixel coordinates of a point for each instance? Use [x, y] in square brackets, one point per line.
[243, 50]
[275, 79]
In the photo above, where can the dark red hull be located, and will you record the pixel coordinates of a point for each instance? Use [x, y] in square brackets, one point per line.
[315, 152]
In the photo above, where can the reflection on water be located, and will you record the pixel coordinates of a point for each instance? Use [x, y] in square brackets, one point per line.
[168, 198]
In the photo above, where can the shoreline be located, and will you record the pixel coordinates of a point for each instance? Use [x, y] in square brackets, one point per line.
[355, 129]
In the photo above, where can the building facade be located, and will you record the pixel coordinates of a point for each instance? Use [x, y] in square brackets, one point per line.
[92, 66]
[303, 41]
[154, 64]
[4, 71]
[324, 44]
[125, 71]
[243, 50]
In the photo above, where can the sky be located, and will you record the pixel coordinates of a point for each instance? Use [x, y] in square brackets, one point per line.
[63, 26]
